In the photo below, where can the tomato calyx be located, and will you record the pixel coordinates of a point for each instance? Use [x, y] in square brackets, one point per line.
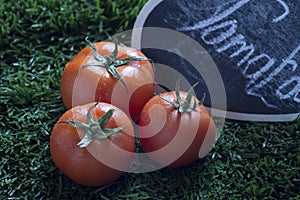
[110, 62]
[94, 129]
[186, 105]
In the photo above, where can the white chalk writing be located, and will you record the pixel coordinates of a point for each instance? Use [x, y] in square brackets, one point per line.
[258, 68]
[286, 11]
[234, 42]
[223, 36]
[294, 93]
[288, 62]
[218, 16]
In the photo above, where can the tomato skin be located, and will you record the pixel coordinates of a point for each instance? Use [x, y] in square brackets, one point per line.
[94, 83]
[197, 129]
[78, 163]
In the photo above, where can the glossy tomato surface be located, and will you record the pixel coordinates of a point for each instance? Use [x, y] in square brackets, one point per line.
[172, 138]
[95, 83]
[101, 162]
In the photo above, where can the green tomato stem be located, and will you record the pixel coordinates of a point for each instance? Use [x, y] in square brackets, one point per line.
[186, 105]
[110, 62]
[94, 129]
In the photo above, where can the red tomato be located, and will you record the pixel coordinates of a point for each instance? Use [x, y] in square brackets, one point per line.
[81, 85]
[174, 135]
[90, 154]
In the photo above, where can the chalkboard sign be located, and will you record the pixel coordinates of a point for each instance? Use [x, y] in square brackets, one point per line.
[255, 46]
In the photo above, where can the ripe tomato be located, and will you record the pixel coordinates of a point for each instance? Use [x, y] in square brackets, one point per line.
[174, 131]
[93, 144]
[109, 73]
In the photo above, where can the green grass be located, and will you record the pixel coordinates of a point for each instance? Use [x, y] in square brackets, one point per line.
[250, 161]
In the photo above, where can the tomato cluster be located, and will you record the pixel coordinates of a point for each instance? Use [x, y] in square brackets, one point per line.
[105, 88]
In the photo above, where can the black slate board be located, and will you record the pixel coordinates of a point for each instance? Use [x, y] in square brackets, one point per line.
[254, 44]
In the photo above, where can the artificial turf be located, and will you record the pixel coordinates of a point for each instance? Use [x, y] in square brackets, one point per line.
[250, 160]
